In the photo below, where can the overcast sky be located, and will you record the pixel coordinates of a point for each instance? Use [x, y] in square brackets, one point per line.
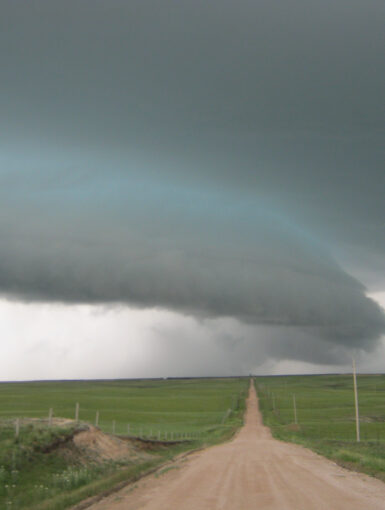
[191, 187]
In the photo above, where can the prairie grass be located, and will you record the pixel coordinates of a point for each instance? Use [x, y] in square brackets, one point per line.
[326, 416]
[178, 406]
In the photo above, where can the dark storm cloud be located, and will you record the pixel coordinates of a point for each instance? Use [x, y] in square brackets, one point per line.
[193, 251]
[209, 157]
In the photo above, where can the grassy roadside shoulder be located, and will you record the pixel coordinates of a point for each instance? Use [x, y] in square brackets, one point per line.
[325, 417]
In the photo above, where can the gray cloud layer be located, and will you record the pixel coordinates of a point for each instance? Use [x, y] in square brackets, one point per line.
[210, 157]
[240, 260]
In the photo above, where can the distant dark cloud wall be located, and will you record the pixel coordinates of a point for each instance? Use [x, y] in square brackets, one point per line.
[202, 253]
[282, 98]
[216, 158]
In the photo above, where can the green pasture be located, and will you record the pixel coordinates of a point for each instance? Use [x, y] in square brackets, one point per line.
[189, 406]
[326, 416]
[33, 475]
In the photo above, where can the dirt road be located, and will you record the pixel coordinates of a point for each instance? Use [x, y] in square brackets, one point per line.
[253, 471]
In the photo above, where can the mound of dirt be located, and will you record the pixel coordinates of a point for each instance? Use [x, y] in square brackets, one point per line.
[93, 445]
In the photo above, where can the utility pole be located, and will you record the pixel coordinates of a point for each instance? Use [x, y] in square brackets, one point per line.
[356, 401]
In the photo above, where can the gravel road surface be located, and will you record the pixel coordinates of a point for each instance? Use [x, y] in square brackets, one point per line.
[253, 471]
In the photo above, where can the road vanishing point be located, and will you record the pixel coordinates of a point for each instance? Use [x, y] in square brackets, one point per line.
[251, 472]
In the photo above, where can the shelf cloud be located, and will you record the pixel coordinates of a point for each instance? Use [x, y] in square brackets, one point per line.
[203, 254]
[218, 159]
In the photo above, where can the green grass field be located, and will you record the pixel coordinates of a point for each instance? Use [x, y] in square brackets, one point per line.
[326, 416]
[180, 406]
[197, 411]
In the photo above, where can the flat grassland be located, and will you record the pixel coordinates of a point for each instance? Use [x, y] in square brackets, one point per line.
[326, 416]
[179, 406]
[183, 413]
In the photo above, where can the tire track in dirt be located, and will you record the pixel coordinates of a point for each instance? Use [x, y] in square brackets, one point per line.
[253, 471]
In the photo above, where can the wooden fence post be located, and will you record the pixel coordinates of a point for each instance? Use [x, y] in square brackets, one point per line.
[295, 410]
